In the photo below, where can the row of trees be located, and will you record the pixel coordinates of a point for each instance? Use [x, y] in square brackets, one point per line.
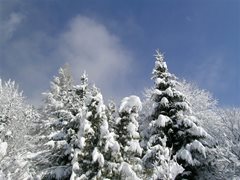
[176, 132]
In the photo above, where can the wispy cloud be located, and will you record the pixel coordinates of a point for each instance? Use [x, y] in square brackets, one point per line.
[10, 25]
[88, 45]
[85, 44]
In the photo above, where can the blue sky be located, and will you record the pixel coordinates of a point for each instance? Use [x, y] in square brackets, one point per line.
[115, 42]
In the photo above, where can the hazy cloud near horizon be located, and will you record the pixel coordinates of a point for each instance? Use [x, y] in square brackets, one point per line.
[85, 45]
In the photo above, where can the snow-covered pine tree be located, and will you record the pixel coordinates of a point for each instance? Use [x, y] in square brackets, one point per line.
[172, 119]
[54, 159]
[98, 150]
[128, 138]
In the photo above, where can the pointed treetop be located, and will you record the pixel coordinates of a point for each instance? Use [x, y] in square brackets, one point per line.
[95, 89]
[84, 78]
[160, 65]
[65, 70]
[65, 77]
[159, 56]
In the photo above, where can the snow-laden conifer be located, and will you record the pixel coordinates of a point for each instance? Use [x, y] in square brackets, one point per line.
[172, 118]
[55, 150]
[97, 148]
[129, 138]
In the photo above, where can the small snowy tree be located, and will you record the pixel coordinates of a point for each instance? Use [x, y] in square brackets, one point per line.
[97, 151]
[128, 137]
[172, 117]
[16, 118]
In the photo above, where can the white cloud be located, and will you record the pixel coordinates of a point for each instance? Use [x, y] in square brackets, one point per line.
[88, 45]
[85, 44]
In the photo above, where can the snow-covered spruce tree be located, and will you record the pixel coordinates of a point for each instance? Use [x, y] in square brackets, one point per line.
[98, 151]
[128, 137]
[56, 151]
[15, 120]
[172, 119]
[165, 165]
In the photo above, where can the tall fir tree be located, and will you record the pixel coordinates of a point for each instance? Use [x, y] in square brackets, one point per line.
[172, 119]
[58, 129]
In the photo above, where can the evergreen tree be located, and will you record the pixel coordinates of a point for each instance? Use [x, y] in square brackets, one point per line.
[54, 161]
[16, 117]
[95, 157]
[172, 118]
[128, 138]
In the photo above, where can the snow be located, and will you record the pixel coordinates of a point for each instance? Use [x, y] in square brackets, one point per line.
[31, 155]
[183, 105]
[104, 128]
[60, 172]
[81, 142]
[56, 144]
[127, 172]
[169, 92]
[50, 144]
[169, 169]
[197, 131]
[2, 176]
[157, 92]
[130, 103]
[89, 113]
[9, 133]
[186, 122]
[87, 127]
[159, 81]
[164, 101]
[132, 130]
[159, 61]
[57, 135]
[134, 146]
[196, 145]
[185, 155]
[97, 156]
[162, 120]
[1, 127]
[3, 149]
[111, 143]
[75, 166]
